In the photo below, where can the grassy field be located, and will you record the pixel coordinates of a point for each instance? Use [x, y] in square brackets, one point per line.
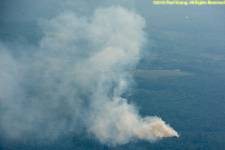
[154, 74]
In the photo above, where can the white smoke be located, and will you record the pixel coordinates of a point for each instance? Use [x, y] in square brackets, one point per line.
[77, 76]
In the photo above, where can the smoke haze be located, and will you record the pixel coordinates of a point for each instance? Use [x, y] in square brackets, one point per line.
[73, 80]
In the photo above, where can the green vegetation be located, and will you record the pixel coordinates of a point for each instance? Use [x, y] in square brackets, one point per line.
[192, 100]
[193, 105]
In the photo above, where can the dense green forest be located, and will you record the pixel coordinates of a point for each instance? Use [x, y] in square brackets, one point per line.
[193, 105]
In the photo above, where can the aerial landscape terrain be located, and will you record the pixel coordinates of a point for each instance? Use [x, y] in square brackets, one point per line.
[111, 75]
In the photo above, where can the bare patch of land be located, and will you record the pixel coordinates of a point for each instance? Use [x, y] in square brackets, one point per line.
[213, 57]
[154, 74]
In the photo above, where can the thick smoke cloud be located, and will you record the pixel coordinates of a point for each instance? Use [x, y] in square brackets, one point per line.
[75, 79]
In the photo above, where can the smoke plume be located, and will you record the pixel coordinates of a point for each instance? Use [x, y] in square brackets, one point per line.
[75, 78]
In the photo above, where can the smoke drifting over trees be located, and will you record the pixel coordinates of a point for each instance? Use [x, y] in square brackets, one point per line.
[75, 77]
